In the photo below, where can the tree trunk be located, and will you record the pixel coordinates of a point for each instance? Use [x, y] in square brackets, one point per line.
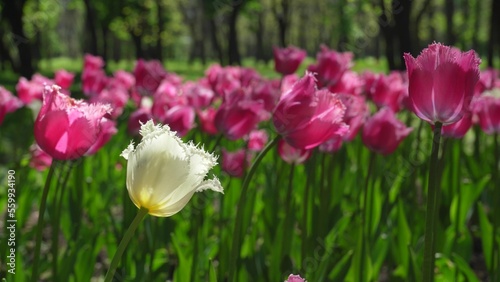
[449, 11]
[401, 10]
[418, 20]
[344, 26]
[259, 38]
[91, 46]
[137, 40]
[204, 31]
[476, 17]
[105, 41]
[234, 54]
[5, 55]
[215, 41]
[387, 32]
[13, 12]
[494, 36]
[159, 53]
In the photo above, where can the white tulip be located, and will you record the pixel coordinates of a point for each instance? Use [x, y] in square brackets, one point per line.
[163, 172]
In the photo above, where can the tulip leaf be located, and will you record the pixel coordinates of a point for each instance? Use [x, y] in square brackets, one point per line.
[486, 234]
[464, 268]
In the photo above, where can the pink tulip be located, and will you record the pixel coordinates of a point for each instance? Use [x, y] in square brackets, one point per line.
[108, 129]
[198, 95]
[257, 139]
[66, 128]
[148, 76]
[39, 159]
[349, 83]
[382, 133]
[387, 91]
[227, 81]
[331, 145]
[487, 109]
[165, 97]
[488, 79]
[288, 81]
[330, 66]
[123, 80]
[295, 278]
[180, 118]
[356, 114]
[441, 82]
[307, 117]
[94, 78]
[116, 97]
[248, 76]
[8, 103]
[206, 118]
[267, 92]
[238, 114]
[287, 60]
[458, 129]
[64, 78]
[234, 163]
[93, 81]
[291, 154]
[136, 119]
[91, 62]
[28, 91]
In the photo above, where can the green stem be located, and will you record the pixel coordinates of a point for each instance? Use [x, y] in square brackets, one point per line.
[123, 244]
[241, 207]
[458, 184]
[365, 230]
[496, 201]
[57, 219]
[430, 216]
[194, 266]
[288, 217]
[217, 142]
[305, 212]
[41, 212]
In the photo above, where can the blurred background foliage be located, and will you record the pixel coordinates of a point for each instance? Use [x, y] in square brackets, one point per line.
[229, 31]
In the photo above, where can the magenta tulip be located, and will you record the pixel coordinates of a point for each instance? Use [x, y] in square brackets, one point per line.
[355, 115]
[66, 128]
[287, 60]
[199, 95]
[64, 78]
[137, 118]
[30, 90]
[295, 278]
[108, 129]
[148, 76]
[307, 117]
[8, 103]
[441, 82]
[458, 129]
[123, 79]
[234, 163]
[257, 140]
[330, 66]
[382, 133]
[238, 114]
[291, 154]
[487, 109]
[180, 118]
[488, 79]
[39, 159]
[206, 118]
[386, 91]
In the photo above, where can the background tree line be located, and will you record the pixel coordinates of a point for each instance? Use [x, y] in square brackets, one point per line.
[229, 30]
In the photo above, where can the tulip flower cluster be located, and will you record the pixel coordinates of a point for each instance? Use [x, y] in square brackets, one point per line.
[314, 114]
